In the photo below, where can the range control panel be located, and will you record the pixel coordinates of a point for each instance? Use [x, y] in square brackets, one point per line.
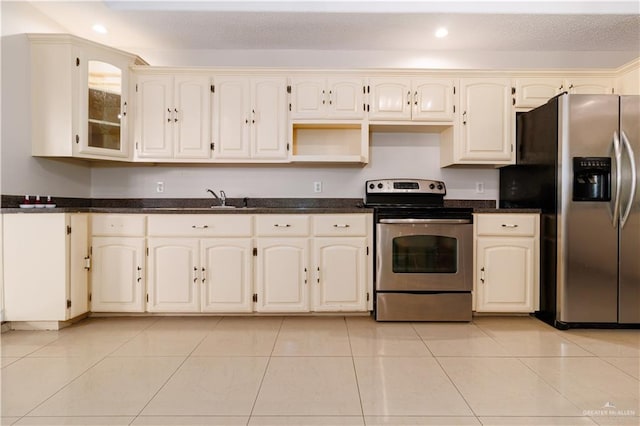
[405, 186]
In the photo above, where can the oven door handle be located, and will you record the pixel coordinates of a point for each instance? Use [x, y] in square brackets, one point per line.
[421, 221]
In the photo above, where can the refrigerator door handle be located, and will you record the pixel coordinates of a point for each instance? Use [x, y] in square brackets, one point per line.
[618, 181]
[634, 179]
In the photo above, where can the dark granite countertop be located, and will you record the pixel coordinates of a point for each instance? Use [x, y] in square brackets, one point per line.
[506, 211]
[238, 206]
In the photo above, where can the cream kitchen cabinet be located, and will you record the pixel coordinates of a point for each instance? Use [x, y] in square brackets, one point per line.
[506, 262]
[199, 263]
[533, 92]
[327, 98]
[250, 119]
[46, 262]
[341, 262]
[334, 276]
[282, 267]
[172, 116]
[118, 274]
[484, 133]
[79, 98]
[417, 99]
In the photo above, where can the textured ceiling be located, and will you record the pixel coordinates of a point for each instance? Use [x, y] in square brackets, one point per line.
[237, 25]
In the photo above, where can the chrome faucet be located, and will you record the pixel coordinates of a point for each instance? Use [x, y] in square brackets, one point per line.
[222, 198]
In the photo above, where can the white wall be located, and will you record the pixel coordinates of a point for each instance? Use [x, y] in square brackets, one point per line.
[21, 173]
[410, 155]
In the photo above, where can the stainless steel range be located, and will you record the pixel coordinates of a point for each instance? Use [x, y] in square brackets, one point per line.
[423, 252]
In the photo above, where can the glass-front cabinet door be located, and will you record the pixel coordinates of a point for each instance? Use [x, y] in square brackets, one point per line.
[103, 107]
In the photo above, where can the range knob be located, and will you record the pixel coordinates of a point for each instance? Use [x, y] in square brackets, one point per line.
[371, 186]
[431, 186]
[440, 187]
[380, 185]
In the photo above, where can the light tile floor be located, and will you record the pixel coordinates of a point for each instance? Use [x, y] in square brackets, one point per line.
[319, 371]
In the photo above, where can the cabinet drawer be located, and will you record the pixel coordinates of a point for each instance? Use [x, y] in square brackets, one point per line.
[335, 225]
[200, 225]
[506, 224]
[127, 225]
[291, 225]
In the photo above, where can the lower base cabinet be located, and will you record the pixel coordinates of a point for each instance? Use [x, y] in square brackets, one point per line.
[506, 263]
[117, 276]
[46, 266]
[193, 275]
[341, 274]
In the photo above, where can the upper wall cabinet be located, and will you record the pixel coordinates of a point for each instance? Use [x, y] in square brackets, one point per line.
[79, 98]
[327, 98]
[250, 119]
[533, 92]
[428, 99]
[485, 126]
[173, 116]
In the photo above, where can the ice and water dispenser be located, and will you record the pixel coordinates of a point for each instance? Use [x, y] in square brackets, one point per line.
[591, 179]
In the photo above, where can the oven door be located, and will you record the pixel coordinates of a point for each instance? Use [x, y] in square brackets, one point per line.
[424, 255]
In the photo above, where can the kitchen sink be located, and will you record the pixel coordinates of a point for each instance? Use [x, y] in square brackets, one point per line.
[201, 208]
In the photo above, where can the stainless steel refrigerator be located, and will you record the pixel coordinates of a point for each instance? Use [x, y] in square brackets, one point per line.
[577, 161]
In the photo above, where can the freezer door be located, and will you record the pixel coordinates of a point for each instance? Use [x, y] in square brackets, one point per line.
[629, 293]
[587, 237]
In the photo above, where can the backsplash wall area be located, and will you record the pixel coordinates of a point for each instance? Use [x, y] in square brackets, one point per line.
[410, 155]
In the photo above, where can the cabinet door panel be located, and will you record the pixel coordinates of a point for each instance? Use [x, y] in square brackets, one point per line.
[486, 120]
[174, 276]
[433, 100]
[282, 281]
[308, 98]
[226, 275]
[390, 99]
[192, 102]
[340, 281]
[506, 265]
[117, 282]
[154, 118]
[231, 118]
[533, 92]
[590, 86]
[346, 98]
[268, 118]
[78, 273]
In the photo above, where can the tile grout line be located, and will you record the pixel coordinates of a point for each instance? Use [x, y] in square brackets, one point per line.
[98, 361]
[266, 368]
[174, 372]
[355, 371]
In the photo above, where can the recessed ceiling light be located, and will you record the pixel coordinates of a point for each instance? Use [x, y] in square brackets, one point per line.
[99, 28]
[442, 32]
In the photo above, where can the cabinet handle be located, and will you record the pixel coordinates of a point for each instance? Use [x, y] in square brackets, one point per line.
[561, 87]
[330, 100]
[139, 274]
[87, 263]
[168, 115]
[323, 99]
[282, 225]
[195, 274]
[199, 227]
[175, 118]
[203, 276]
[344, 225]
[253, 120]
[415, 98]
[482, 275]
[507, 225]
[124, 109]
[409, 97]
[464, 118]
[305, 275]
[318, 275]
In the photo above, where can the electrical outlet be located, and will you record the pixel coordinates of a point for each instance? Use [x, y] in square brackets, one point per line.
[479, 187]
[159, 186]
[317, 186]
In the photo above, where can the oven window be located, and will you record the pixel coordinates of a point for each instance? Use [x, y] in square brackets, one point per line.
[425, 254]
